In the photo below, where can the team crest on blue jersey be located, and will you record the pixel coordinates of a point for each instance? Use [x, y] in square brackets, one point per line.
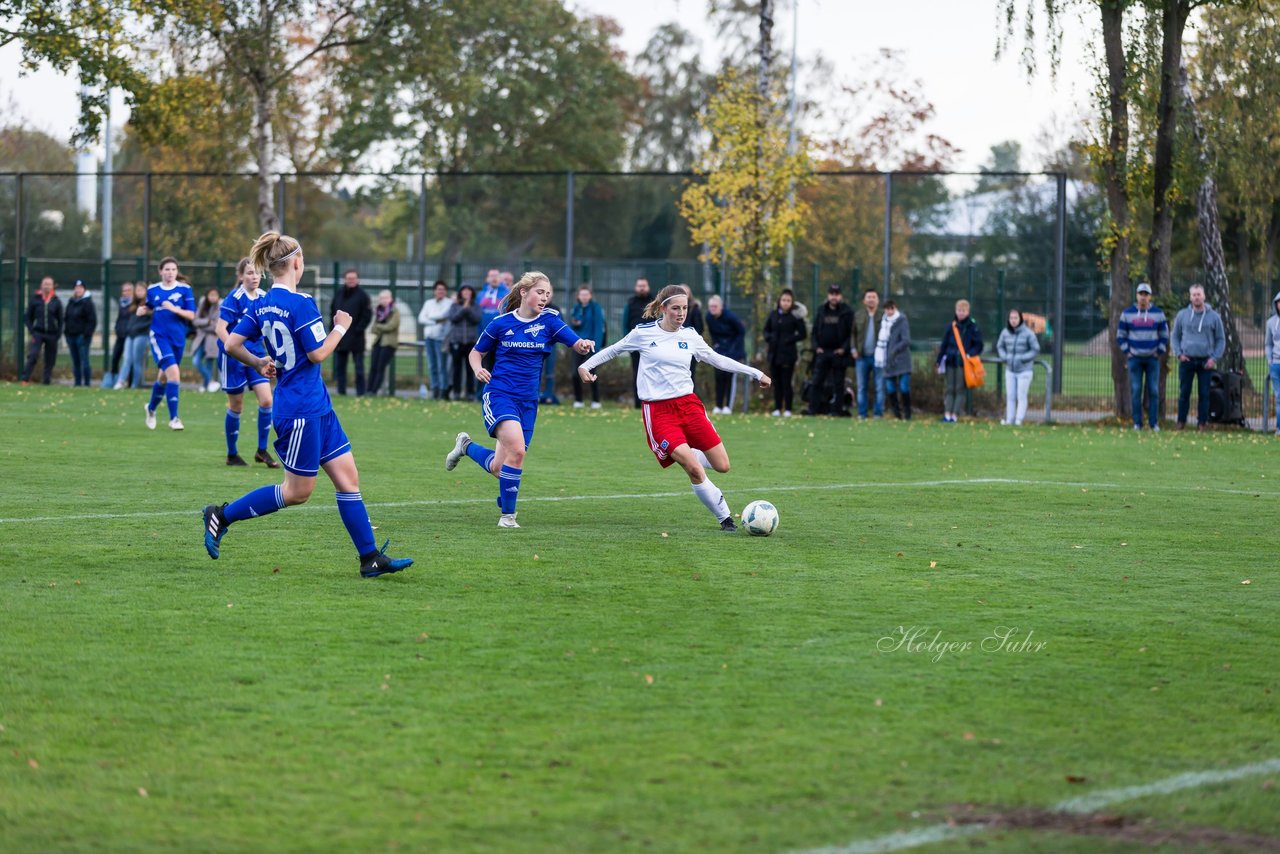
[684, 345]
[535, 329]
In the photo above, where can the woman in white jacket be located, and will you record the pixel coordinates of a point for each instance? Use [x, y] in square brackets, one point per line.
[435, 325]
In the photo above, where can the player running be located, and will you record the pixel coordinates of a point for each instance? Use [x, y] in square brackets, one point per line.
[173, 306]
[308, 435]
[675, 420]
[521, 337]
[236, 376]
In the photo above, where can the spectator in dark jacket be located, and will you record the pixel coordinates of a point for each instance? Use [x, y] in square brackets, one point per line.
[783, 331]
[352, 299]
[464, 328]
[124, 311]
[44, 324]
[633, 316]
[950, 364]
[82, 320]
[586, 318]
[893, 357]
[832, 328]
[728, 338]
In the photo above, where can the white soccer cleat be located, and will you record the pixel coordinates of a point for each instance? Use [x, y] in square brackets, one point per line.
[176, 424]
[459, 449]
[151, 417]
[508, 520]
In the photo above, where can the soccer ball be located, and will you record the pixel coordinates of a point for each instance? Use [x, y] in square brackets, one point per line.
[760, 518]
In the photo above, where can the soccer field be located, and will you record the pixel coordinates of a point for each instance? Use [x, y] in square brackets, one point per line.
[1085, 610]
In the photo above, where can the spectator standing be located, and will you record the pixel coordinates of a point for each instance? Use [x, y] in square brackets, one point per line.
[1198, 341]
[866, 334]
[434, 319]
[586, 318]
[386, 338]
[728, 338]
[1142, 334]
[1017, 347]
[464, 328]
[832, 328]
[695, 321]
[547, 387]
[1273, 354]
[633, 316]
[496, 287]
[783, 332]
[82, 320]
[44, 324]
[204, 351]
[352, 299]
[893, 360]
[950, 360]
[137, 340]
[123, 313]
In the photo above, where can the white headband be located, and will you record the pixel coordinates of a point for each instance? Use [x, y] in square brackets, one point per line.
[287, 255]
[673, 296]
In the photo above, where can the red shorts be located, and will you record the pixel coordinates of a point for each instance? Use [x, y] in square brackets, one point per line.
[668, 424]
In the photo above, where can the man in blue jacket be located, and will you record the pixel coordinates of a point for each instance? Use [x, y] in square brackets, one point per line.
[1198, 343]
[1142, 334]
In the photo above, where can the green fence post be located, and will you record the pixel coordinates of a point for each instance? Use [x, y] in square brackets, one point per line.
[586, 274]
[391, 369]
[855, 282]
[142, 273]
[815, 280]
[108, 316]
[217, 275]
[457, 275]
[19, 340]
[999, 316]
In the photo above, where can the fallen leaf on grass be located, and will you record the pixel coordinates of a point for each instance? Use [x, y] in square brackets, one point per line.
[933, 564]
[1246, 581]
[648, 679]
[422, 637]
[1072, 778]
[664, 535]
[33, 763]
[142, 792]
[968, 736]
[879, 702]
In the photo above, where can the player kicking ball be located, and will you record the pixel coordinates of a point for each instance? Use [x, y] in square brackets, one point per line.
[309, 437]
[675, 420]
[520, 338]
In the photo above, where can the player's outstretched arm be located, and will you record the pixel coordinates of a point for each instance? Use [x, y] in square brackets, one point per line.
[704, 353]
[234, 347]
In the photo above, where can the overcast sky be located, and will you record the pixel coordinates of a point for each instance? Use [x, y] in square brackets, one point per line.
[948, 44]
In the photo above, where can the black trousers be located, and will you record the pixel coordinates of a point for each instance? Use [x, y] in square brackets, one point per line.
[117, 353]
[827, 393]
[41, 341]
[724, 388]
[783, 394]
[635, 377]
[578, 359]
[340, 370]
[382, 357]
[458, 354]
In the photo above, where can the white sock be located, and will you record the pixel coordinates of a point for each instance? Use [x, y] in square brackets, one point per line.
[712, 499]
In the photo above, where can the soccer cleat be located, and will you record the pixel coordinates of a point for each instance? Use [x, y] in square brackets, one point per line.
[215, 525]
[176, 424]
[459, 449]
[263, 457]
[151, 417]
[235, 460]
[726, 525]
[595, 404]
[508, 520]
[381, 563]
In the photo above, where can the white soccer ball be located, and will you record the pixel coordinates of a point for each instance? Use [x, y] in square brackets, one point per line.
[760, 518]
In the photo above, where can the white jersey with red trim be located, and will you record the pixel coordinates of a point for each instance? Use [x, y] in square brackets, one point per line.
[664, 359]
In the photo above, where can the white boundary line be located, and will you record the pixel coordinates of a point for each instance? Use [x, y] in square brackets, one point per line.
[829, 487]
[902, 840]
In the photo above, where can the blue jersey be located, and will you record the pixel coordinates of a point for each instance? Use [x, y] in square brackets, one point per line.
[165, 323]
[289, 325]
[234, 307]
[522, 345]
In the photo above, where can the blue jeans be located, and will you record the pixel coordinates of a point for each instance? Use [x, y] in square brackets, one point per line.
[1144, 371]
[135, 360]
[1186, 370]
[1275, 391]
[894, 385]
[203, 364]
[78, 345]
[547, 394]
[869, 373]
[435, 367]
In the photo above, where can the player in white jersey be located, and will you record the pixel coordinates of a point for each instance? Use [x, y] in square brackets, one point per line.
[675, 420]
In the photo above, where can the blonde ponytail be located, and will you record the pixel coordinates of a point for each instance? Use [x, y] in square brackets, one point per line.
[654, 309]
[271, 250]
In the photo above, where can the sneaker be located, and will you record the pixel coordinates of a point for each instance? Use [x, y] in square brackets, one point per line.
[214, 385]
[1155, 428]
[174, 424]
[786, 413]
[1136, 428]
[595, 404]
[508, 520]
[726, 525]
[577, 404]
[151, 417]
[263, 457]
[381, 563]
[460, 443]
[119, 385]
[235, 460]
[215, 525]
[777, 413]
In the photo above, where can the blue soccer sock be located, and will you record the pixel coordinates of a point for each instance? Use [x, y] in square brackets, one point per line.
[356, 518]
[260, 502]
[157, 392]
[508, 488]
[232, 425]
[483, 456]
[264, 427]
[171, 397]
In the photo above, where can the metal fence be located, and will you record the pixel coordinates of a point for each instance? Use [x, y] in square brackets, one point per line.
[1024, 240]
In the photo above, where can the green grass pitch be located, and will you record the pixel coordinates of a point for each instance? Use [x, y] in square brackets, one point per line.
[618, 675]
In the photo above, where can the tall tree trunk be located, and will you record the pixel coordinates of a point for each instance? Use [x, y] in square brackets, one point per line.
[1173, 22]
[264, 148]
[1216, 287]
[1114, 174]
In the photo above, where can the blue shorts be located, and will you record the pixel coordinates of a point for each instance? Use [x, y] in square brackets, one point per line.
[498, 408]
[235, 375]
[166, 351]
[305, 444]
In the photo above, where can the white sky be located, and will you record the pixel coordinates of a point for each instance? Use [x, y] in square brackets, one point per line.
[948, 44]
